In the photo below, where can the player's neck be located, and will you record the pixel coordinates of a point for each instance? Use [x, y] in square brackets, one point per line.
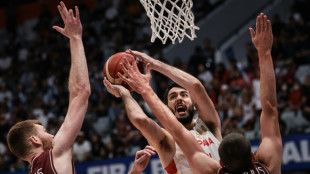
[33, 154]
[190, 126]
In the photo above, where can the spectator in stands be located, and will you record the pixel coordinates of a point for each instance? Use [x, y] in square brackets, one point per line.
[283, 97]
[209, 51]
[295, 96]
[195, 60]
[248, 109]
[306, 99]
[4, 166]
[82, 148]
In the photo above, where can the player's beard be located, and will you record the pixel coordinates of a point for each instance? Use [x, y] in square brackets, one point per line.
[187, 119]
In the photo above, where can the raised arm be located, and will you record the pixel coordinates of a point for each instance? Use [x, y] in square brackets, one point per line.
[197, 91]
[79, 86]
[197, 158]
[159, 138]
[270, 149]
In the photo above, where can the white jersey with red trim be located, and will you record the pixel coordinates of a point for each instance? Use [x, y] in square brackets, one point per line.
[207, 141]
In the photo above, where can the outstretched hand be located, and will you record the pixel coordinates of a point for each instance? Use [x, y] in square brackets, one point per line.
[262, 38]
[73, 26]
[115, 90]
[146, 59]
[133, 77]
[142, 159]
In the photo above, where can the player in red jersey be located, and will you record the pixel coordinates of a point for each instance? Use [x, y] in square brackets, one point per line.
[29, 141]
[235, 150]
[269, 153]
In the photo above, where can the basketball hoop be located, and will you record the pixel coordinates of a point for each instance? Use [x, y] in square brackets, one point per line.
[171, 19]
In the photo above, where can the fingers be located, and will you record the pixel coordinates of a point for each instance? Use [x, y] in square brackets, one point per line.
[258, 24]
[77, 13]
[252, 32]
[147, 69]
[123, 78]
[128, 67]
[129, 51]
[150, 148]
[144, 152]
[139, 153]
[127, 64]
[135, 66]
[135, 52]
[265, 23]
[269, 26]
[67, 14]
[262, 22]
[107, 83]
[59, 29]
[125, 69]
[71, 14]
[61, 12]
[142, 158]
[150, 152]
[63, 6]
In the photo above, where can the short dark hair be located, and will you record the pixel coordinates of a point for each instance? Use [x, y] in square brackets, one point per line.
[172, 85]
[235, 153]
[18, 137]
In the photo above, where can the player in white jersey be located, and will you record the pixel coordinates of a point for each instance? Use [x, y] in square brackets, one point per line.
[184, 100]
[235, 149]
[205, 139]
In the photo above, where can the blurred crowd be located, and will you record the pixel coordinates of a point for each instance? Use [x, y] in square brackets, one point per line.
[35, 63]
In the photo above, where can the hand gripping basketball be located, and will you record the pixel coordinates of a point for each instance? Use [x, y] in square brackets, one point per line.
[113, 66]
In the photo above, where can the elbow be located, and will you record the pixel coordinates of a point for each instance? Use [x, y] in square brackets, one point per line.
[82, 90]
[140, 122]
[86, 91]
[197, 85]
[270, 109]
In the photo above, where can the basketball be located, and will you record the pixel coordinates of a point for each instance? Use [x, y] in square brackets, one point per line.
[112, 67]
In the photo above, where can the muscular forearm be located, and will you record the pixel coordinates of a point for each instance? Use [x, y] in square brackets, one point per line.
[79, 73]
[180, 77]
[131, 104]
[133, 110]
[267, 80]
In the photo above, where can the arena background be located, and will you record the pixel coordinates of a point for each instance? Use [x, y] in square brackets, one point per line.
[34, 66]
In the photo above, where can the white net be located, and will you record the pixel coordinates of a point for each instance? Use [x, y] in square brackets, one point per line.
[171, 19]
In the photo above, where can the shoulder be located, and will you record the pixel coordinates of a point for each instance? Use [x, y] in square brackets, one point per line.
[222, 170]
[261, 167]
[43, 155]
[42, 162]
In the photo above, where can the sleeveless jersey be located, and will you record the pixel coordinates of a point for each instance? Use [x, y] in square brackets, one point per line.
[43, 164]
[257, 168]
[207, 141]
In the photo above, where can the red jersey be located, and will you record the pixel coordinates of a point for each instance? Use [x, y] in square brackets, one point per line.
[43, 164]
[257, 168]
